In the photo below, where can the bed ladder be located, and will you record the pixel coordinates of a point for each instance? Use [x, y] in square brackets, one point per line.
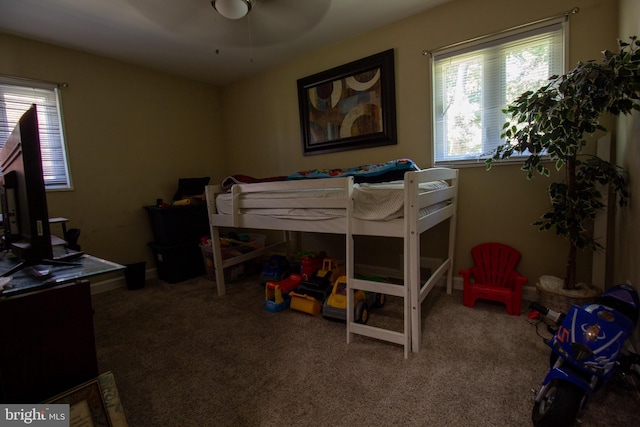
[414, 229]
[402, 338]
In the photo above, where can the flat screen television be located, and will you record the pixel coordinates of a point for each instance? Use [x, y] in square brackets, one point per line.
[24, 198]
[25, 214]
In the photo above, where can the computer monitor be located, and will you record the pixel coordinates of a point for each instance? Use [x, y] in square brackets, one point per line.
[24, 204]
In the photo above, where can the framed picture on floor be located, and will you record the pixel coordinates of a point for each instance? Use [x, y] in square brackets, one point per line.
[95, 403]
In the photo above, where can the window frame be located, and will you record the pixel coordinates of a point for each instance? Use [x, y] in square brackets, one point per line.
[475, 45]
[53, 111]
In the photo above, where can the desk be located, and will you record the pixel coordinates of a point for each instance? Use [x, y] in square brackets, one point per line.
[46, 330]
[26, 281]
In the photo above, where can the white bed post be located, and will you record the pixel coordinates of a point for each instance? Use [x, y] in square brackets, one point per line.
[412, 313]
[349, 253]
[215, 238]
[452, 235]
[217, 260]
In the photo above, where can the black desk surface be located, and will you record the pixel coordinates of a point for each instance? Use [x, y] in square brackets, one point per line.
[43, 276]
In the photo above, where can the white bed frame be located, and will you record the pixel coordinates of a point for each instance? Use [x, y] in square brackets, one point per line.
[409, 228]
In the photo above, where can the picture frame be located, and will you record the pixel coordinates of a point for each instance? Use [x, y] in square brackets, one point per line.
[95, 402]
[349, 107]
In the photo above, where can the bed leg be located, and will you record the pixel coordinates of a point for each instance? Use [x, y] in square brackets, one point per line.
[217, 260]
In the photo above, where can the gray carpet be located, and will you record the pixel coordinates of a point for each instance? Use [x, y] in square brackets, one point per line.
[182, 356]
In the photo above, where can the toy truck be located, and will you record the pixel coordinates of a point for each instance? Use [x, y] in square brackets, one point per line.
[277, 293]
[335, 306]
[312, 292]
[310, 264]
[325, 273]
[305, 303]
[309, 296]
[275, 269]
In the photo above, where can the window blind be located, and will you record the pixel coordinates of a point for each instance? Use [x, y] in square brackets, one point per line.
[473, 82]
[16, 96]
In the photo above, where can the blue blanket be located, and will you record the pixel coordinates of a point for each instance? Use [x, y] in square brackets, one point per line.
[379, 172]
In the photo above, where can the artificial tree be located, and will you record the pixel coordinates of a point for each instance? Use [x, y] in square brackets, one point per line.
[553, 124]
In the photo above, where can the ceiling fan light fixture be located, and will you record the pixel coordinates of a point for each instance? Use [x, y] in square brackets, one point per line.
[232, 9]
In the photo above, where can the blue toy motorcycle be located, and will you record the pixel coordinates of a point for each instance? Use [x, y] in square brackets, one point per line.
[586, 350]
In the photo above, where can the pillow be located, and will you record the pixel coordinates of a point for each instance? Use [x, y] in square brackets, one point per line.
[377, 172]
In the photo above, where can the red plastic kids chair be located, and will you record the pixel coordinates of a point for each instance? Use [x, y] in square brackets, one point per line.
[494, 277]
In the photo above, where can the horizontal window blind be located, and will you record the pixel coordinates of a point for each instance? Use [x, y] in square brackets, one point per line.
[16, 96]
[473, 82]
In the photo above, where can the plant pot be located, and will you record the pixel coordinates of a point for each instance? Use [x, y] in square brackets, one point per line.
[552, 295]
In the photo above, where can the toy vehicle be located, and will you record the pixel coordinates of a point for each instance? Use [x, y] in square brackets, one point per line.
[277, 293]
[335, 305]
[275, 269]
[323, 275]
[329, 265]
[312, 292]
[310, 264]
[305, 303]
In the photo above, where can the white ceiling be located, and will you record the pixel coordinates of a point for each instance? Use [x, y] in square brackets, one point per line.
[189, 38]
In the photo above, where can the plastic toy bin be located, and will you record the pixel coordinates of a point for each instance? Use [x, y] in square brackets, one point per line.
[238, 271]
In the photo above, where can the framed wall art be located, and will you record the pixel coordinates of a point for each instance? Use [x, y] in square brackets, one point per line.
[349, 107]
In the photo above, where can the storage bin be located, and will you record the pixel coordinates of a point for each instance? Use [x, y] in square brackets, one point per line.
[176, 263]
[175, 225]
[238, 271]
[253, 241]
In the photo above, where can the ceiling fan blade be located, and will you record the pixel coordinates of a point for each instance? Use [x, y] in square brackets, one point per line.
[270, 22]
[276, 21]
[171, 15]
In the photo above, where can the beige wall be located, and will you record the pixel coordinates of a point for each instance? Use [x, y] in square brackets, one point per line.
[627, 246]
[498, 205]
[131, 133]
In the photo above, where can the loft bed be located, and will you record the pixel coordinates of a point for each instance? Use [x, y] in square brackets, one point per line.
[423, 199]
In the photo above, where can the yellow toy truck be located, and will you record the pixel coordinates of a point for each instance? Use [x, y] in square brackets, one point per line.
[335, 306]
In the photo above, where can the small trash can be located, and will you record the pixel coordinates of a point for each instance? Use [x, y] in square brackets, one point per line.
[134, 275]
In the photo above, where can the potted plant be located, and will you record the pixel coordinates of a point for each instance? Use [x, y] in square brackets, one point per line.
[552, 126]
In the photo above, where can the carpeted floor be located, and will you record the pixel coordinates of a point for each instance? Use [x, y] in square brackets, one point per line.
[182, 356]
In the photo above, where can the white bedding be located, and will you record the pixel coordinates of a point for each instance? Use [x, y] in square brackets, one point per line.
[372, 202]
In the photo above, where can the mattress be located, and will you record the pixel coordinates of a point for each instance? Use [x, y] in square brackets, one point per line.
[372, 202]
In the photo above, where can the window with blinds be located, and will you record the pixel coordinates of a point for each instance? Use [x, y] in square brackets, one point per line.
[16, 96]
[473, 82]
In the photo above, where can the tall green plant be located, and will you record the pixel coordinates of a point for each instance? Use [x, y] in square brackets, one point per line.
[551, 125]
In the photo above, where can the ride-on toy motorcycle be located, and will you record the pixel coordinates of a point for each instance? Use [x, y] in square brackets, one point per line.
[586, 349]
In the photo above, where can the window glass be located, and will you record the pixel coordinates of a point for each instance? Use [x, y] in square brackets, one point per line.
[474, 82]
[16, 96]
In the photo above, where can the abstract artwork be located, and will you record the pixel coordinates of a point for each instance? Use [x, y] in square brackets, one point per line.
[349, 107]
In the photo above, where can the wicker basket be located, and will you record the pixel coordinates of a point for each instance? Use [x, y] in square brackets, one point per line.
[563, 303]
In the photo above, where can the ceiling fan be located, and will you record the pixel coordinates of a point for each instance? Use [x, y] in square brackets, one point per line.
[270, 21]
[232, 9]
